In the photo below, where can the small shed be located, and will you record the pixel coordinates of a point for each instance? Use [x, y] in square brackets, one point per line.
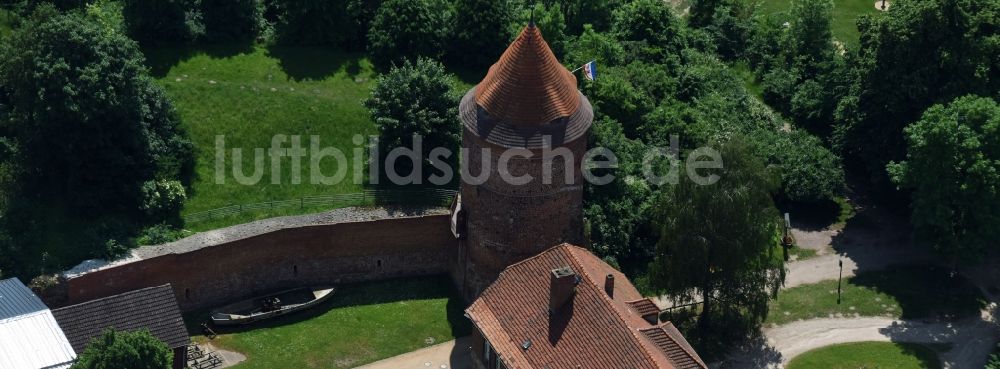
[30, 338]
[154, 309]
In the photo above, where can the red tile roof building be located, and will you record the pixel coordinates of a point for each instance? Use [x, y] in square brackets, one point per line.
[567, 309]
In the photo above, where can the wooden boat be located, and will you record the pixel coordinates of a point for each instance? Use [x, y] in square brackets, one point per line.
[270, 306]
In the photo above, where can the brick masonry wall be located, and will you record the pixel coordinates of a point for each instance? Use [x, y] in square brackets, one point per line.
[509, 223]
[287, 258]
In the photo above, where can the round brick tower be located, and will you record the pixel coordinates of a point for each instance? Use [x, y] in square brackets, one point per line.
[528, 114]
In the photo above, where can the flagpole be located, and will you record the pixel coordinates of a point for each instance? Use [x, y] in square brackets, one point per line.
[581, 67]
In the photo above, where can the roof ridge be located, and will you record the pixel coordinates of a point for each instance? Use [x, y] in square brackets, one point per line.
[610, 303]
[105, 298]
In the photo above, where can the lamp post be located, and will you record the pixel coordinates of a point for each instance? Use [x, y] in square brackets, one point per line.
[840, 279]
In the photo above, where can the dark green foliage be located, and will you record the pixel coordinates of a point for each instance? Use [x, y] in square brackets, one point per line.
[917, 54]
[407, 29]
[482, 31]
[616, 214]
[994, 362]
[652, 22]
[88, 129]
[163, 21]
[809, 172]
[341, 24]
[592, 45]
[133, 350]
[160, 234]
[550, 22]
[716, 244]
[730, 26]
[415, 99]
[953, 168]
[233, 20]
[580, 13]
[93, 149]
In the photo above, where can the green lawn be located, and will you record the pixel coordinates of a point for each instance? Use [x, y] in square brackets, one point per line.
[251, 94]
[881, 355]
[845, 14]
[362, 323]
[910, 292]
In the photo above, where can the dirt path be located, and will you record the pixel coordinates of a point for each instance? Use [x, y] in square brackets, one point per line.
[453, 354]
[970, 340]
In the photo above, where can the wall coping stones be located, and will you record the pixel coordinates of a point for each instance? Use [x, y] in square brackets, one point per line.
[220, 236]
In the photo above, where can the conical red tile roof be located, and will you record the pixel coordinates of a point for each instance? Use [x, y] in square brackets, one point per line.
[528, 86]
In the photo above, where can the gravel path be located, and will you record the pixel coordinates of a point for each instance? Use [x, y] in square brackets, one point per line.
[971, 340]
[241, 231]
[453, 354]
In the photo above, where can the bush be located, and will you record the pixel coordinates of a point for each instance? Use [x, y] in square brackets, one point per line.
[158, 21]
[133, 350]
[162, 200]
[108, 13]
[652, 22]
[809, 172]
[233, 20]
[416, 99]
[408, 29]
[160, 234]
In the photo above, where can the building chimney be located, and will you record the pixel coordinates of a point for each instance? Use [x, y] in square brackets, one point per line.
[609, 285]
[563, 288]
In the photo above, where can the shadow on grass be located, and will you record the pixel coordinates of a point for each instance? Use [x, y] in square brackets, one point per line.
[161, 58]
[360, 294]
[926, 292]
[310, 63]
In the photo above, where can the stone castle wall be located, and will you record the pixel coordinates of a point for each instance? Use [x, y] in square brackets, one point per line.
[285, 258]
[509, 223]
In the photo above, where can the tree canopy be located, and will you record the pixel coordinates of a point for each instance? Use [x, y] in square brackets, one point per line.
[133, 350]
[407, 29]
[416, 99]
[953, 168]
[717, 244]
[919, 53]
[89, 134]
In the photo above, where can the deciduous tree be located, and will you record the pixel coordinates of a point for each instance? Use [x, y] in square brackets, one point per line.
[953, 168]
[717, 244]
[133, 350]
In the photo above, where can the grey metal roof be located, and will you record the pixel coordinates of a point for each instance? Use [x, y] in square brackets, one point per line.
[30, 338]
[153, 308]
[16, 299]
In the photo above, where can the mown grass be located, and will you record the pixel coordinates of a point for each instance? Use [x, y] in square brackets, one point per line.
[249, 95]
[361, 324]
[903, 292]
[845, 15]
[882, 355]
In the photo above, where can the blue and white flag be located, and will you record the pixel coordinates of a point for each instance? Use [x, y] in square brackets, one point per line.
[590, 70]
